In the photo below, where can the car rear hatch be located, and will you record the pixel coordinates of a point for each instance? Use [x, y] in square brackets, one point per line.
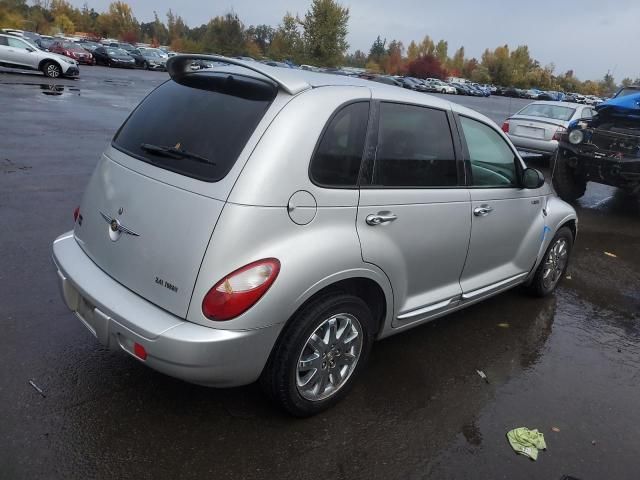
[152, 203]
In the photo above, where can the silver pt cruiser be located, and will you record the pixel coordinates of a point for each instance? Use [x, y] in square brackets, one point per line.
[250, 222]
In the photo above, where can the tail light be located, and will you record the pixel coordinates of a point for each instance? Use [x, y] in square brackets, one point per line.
[505, 127]
[240, 290]
[67, 53]
[76, 214]
[559, 133]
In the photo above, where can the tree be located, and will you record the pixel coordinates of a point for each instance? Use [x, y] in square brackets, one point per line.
[426, 47]
[261, 36]
[357, 59]
[392, 62]
[426, 66]
[378, 50]
[412, 51]
[325, 32]
[442, 51]
[225, 35]
[287, 42]
[608, 84]
[457, 62]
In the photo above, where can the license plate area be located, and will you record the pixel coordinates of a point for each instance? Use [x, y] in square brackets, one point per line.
[531, 132]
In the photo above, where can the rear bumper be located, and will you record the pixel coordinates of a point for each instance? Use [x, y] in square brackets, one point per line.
[120, 318]
[545, 147]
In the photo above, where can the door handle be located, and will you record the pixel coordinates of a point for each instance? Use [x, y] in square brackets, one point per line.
[482, 210]
[380, 217]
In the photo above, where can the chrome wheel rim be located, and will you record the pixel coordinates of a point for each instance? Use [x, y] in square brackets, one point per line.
[53, 71]
[555, 263]
[329, 357]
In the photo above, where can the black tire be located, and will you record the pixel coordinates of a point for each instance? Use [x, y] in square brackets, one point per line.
[568, 185]
[539, 287]
[51, 70]
[279, 376]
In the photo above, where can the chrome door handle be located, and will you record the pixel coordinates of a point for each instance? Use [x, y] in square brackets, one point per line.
[482, 211]
[381, 217]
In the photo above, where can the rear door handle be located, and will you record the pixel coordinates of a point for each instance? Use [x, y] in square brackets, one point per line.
[380, 217]
[482, 210]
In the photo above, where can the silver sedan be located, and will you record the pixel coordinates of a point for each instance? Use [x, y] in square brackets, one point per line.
[538, 126]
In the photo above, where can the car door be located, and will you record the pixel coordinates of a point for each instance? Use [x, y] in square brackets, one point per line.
[21, 53]
[414, 211]
[507, 222]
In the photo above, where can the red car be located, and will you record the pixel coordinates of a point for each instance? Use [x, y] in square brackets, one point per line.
[72, 50]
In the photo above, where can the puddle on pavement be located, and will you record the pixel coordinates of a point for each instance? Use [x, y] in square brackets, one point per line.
[51, 89]
[118, 83]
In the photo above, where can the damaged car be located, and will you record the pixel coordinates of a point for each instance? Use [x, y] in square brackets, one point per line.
[603, 149]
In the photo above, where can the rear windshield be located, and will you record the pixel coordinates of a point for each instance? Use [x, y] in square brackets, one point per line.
[197, 127]
[544, 110]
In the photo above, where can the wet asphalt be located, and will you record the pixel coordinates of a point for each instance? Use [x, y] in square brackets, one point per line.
[569, 362]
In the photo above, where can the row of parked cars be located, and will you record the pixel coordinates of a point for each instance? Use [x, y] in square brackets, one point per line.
[552, 95]
[24, 45]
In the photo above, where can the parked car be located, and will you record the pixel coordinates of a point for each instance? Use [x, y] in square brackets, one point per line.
[604, 149]
[442, 87]
[276, 283]
[461, 89]
[72, 50]
[514, 92]
[113, 57]
[532, 93]
[539, 126]
[20, 53]
[43, 43]
[387, 79]
[139, 59]
[153, 61]
[127, 47]
[89, 46]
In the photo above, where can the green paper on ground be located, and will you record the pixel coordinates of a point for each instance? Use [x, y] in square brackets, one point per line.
[526, 442]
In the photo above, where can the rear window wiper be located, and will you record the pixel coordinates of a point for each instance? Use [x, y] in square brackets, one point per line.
[175, 152]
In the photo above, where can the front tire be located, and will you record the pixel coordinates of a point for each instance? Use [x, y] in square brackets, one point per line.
[567, 183]
[52, 70]
[319, 354]
[553, 265]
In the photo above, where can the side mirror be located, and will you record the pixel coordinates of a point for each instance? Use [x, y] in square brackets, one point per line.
[30, 50]
[532, 178]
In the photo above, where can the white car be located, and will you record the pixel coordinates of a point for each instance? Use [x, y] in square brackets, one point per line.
[442, 87]
[20, 53]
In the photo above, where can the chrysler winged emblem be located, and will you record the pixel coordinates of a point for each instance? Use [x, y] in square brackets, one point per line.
[116, 229]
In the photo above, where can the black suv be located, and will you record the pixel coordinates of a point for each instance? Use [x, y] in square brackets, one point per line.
[604, 149]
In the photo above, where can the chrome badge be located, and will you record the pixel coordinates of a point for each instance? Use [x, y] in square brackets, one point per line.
[116, 229]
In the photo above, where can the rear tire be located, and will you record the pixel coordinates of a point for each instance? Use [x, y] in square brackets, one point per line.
[319, 354]
[51, 70]
[553, 265]
[568, 185]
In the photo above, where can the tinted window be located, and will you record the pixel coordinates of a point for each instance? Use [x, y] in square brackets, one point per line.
[210, 115]
[3, 41]
[337, 159]
[492, 161]
[415, 148]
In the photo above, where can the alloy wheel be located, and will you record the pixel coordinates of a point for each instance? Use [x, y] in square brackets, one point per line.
[555, 263]
[329, 357]
[53, 71]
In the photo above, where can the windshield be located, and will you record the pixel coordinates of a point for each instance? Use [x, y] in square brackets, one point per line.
[70, 46]
[147, 53]
[197, 127]
[117, 51]
[627, 91]
[544, 110]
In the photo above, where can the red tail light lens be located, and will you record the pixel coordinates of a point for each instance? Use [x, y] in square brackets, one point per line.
[240, 290]
[76, 214]
[559, 133]
[505, 127]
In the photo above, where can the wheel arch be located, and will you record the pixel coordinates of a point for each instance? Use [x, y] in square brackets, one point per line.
[44, 61]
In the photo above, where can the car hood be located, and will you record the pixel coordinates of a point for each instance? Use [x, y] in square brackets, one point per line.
[627, 106]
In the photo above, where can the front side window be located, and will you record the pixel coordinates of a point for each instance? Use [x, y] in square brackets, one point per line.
[415, 148]
[493, 163]
[197, 127]
[336, 162]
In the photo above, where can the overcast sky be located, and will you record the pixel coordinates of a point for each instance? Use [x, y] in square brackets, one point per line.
[589, 36]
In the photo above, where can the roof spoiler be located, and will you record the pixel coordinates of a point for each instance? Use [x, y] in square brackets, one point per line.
[177, 67]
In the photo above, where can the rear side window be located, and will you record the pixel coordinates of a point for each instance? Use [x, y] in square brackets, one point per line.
[3, 41]
[196, 127]
[336, 162]
[415, 148]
